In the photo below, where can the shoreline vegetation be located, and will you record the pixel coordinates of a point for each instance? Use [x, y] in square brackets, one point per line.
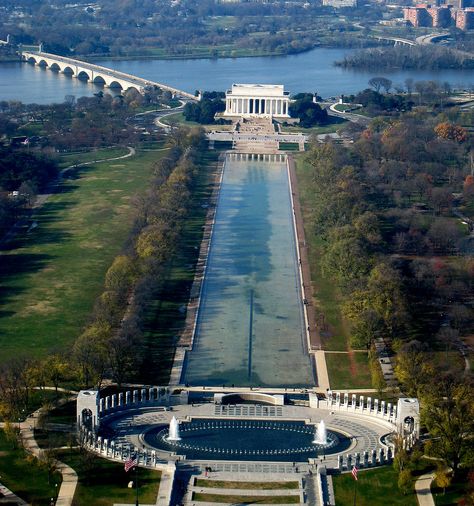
[206, 54]
[428, 57]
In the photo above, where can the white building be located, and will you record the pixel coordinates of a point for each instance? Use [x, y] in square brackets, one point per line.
[340, 3]
[257, 101]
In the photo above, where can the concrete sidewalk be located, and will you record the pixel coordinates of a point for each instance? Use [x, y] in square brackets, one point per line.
[423, 490]
[8, 497]
[69, 483]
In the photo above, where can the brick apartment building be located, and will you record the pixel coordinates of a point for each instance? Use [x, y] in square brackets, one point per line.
[441, 16]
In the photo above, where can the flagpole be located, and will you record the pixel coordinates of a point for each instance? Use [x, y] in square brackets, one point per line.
[355, 491]
[136, 483]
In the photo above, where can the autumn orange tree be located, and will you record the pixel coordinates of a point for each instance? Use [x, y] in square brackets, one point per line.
[447, 130]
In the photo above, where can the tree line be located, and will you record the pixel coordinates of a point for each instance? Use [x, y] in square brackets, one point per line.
[112, 345]
[408, 57]
[389, 211]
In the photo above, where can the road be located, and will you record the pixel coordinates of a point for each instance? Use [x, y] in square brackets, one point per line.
[350, 116]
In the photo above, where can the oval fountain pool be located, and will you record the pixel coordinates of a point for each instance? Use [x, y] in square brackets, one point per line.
[246, 440]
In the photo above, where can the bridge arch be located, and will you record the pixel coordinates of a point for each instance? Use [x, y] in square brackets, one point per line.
[42, 63]
[115, 84]
[134, 88]
[68, 70]
[31, 59]
[55, 66]
[99, 80]
[82, 74]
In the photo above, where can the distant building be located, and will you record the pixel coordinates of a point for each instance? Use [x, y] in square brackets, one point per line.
[340, 3]
[440, 16]
[464, 18]
[257, 100]
[417, 16]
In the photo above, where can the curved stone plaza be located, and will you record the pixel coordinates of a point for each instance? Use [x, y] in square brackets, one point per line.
[130, 430]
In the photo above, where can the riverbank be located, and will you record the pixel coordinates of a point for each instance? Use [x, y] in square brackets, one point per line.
[215, 54]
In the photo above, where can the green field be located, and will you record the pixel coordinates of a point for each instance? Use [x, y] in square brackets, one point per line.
[104, 483]
[248, 485]
[348, 371]
[51, 276]
[246, 499]
[335, 123]
[453, 494]
[178, 118]
[68, 159]
[25, 477]
[376, 487]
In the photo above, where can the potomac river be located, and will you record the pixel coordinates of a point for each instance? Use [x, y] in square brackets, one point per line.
[310, 71]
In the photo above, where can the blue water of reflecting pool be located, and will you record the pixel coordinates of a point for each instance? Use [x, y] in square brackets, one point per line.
[250, 328]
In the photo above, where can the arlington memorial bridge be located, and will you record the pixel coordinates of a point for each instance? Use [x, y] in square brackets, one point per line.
[97, 74]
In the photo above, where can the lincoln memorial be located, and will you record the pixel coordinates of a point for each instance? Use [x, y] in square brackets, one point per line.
[257, 100]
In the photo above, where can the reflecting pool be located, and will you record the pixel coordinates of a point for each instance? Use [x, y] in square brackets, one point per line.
[266, 440]
[250, 328]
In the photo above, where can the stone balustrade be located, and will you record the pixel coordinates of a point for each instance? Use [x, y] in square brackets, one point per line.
[145, 397]
[372, 459]
[121, 452]
[336, 401]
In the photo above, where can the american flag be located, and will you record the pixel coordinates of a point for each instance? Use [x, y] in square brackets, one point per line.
[131, 462]
[354, 472]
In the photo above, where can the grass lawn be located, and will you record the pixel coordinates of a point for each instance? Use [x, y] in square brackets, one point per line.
[51, 276]
[248, 485]
[26, 478]
[453, 493]
[67, 159]
[335, 123]
[326, 293]
[105, 483]
[289, 146]
[246, 499]
[377, 487]
[343, 107]
[54, 439]
[348, 372]
[178, 118]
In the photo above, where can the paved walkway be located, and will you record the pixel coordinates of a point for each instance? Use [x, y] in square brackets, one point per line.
[69, 483]
[386, 365]
[8, 497]
[354, 117]
[423, 490]
[166, 488]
